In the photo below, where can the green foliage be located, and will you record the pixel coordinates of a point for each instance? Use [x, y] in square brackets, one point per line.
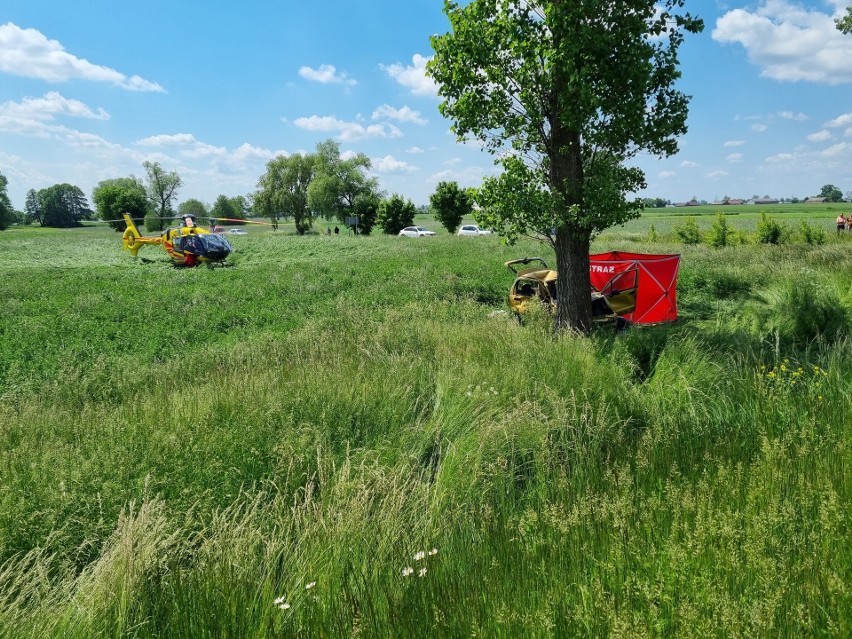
[62, 206]
[770, 231]
[32, 209]
[192, 207]
[226, 208]
[688, 231]
[450, 205]
[155, 223]
[395, 213]
[721, 233]
[652, 234]
[540, 86]
[831, 192]
[367, 209]
[162, 188]
[284, 190]
[7, 213]
[812, 235]
[113, 198]
[338, 183]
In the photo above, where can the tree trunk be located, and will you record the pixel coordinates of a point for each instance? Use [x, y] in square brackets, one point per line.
[573, 288]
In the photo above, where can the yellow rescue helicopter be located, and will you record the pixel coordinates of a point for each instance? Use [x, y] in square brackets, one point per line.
[187, 245]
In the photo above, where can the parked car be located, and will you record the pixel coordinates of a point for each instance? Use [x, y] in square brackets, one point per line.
[237, 232]
[472, 229]
[416, 231]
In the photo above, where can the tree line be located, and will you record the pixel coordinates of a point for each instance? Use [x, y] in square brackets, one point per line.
[301, 188]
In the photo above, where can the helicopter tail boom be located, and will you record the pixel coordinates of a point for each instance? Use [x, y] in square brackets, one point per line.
[133, 240]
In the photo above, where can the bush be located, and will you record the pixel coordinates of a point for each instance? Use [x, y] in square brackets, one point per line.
[688, 232]
[771, 231]
[154, 222]
[652, 234]
[812, 235]
[721, 233]
[395, 214]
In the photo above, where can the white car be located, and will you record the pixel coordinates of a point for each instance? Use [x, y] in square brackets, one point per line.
[415, 231]
[472, 229]
[237, 232]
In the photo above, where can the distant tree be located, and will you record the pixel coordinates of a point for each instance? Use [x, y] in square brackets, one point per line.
[450, 204]
[162, 191]
[7, 213]
[32, 210]
[62, 206]
[367, 209]
[844, 24]
[564, 94]
[241, 205]
[831, 192]
[283, 190]
[226, 208]
[113, 198]
[337, 183]
[193, 207]
[395, 213]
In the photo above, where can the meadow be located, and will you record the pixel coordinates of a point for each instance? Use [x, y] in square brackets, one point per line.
[338, 436]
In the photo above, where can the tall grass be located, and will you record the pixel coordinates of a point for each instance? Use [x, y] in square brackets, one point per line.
[328, 410]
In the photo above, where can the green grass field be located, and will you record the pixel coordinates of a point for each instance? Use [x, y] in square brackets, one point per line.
[337, 436]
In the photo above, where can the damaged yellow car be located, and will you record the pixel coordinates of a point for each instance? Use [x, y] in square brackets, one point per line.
[638, 288]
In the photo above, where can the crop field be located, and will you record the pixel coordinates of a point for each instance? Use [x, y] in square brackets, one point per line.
[338, 436]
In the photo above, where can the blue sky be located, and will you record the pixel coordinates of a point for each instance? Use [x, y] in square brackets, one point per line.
[91, 89]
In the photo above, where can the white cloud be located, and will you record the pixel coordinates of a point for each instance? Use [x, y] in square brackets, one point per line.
[413, 77]
[834, 151]
[666, 174]
[688, 164]
[841, 120]
[390, 164]
[731, 143]
[759, 128]
[781, 158]
[789, 42]
[404, 114]
[49, 106]
[469, 176]
[28, 53]
[734, 158]
[789, 115]
[347, 131]
[820, 136]
[717, 174]
[326, 74]
[414, 150]
[452, 162]
[189, 147]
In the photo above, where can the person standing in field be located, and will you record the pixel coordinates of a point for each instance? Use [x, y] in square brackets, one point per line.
[841, 223]
[849, 222]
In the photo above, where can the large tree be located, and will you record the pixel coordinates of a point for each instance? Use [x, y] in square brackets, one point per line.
[192, 207]
[450, 204]
[395, 213]
[32, 210]
[564, 92]
[832, 193]
[337, 183]
[7, 213]
[162, 190]
[283, 190]
[113, 198]
[62, 206]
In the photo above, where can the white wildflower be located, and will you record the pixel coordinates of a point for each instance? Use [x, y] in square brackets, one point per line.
[421, 572]
[434, 551]
[407, 571]
[280, 600]
[420, 555]
[310, 585]
[284, 606]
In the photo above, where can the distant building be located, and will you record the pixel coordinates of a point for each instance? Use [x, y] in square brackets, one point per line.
[816, 200]
[766, 200]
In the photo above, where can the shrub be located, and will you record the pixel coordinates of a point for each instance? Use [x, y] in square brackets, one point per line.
[771, 231]
[688, 232]
[652, 234]
[721, 233]
[813, 235]
[395, 214]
